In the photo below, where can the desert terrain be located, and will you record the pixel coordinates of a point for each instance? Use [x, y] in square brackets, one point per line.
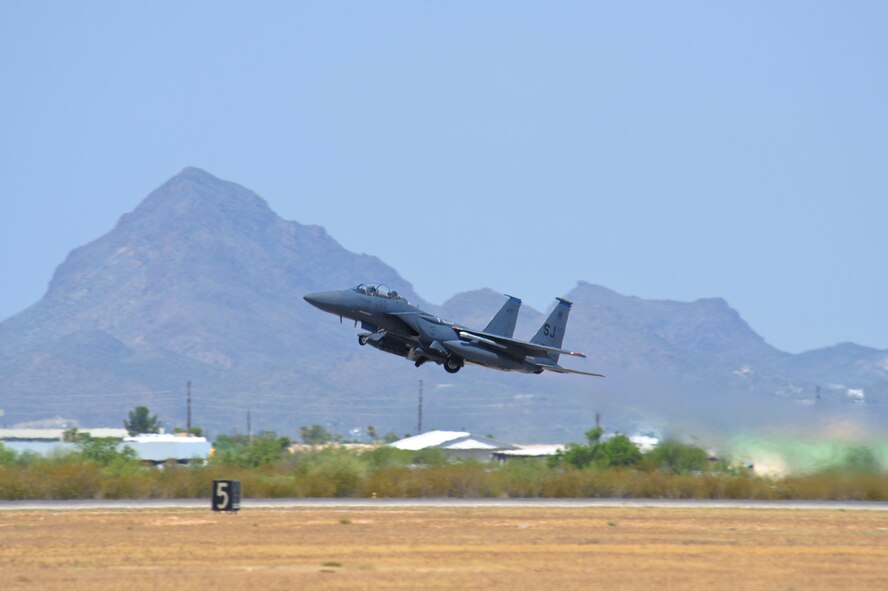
[445, 548]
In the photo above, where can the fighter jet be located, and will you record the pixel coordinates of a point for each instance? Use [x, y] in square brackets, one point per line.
[393, 325]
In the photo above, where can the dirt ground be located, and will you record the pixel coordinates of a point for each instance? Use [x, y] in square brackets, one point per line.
[445, 548]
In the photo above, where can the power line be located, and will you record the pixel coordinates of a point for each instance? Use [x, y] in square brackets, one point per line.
[419, 425]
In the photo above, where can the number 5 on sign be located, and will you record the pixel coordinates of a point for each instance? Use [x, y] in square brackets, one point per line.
[222, 494]
[226, 495]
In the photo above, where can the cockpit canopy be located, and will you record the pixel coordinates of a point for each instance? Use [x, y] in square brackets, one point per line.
[379, 290]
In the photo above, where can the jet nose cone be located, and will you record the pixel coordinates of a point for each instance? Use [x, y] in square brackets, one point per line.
[329, 301]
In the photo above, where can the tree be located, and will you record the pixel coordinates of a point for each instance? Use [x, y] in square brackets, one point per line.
[240, 450]
[577, 454]
[678, 457]
[265, 449]
[315, 435]
[105, 450]
[141, 421]
[196, 431]
[7, 456]
[861, 460]
[371, 433]
[617, 451]
[594, 435]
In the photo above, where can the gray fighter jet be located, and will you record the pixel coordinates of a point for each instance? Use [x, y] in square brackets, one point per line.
[395, 326]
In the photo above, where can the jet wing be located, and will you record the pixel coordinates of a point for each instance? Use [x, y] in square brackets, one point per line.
[559, 369]
[408, 320]
[514, 347]
[523, 349]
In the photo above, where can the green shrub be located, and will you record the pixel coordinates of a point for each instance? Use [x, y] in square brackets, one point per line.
[175, 481]
[461, 479]
[617, 451]
[331, 472]
[7, 456]
[135, 485]
[429, 457]
[100, 470]
[565, 484]
[105, 450]
[860, 460]
[316, 435]
[240, 450]
[576, 455]
[12, 484]
[71, 480]
[523, 477]
[681, 458]
[385, 456]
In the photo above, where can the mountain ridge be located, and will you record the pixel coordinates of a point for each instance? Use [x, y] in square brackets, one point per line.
[202, 281]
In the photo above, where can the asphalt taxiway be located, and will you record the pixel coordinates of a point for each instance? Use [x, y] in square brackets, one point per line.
[247, 504]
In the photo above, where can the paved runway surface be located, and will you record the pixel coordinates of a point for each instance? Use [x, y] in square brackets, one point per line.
[246, 504]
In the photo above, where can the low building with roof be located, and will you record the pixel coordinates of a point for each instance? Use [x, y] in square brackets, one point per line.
[158, 448]
[16, 434]
[53, 440]
[542, 450]
[455, 444]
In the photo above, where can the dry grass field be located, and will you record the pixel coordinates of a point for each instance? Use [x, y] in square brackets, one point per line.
[445, 548]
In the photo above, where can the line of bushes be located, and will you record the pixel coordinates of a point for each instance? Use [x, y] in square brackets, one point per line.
[101, 469]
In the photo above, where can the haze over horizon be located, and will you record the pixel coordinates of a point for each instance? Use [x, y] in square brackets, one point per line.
[673, 152]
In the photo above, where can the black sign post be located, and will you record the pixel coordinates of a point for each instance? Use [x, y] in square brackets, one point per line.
[226, 495]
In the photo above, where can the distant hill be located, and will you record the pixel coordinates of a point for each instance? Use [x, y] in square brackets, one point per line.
[203, 282]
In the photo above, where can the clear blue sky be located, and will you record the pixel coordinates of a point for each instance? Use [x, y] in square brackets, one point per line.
[663, 149]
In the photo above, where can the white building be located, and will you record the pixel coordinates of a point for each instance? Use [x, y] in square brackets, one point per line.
[455, 444]
[165, 447]
[56, 434]
[856, 395]
[542, 450]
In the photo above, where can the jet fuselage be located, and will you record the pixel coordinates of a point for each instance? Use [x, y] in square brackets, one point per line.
[400, 328]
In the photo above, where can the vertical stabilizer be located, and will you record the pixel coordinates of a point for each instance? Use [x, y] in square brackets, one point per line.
[503, 324]
[551, 333]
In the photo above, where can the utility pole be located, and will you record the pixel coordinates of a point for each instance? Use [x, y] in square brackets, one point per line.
[419, 426]
[188, 409]
[249, 427]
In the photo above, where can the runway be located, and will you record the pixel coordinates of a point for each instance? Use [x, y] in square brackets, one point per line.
[248, 504]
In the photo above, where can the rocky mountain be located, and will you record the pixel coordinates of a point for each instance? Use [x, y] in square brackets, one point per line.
[203, 282]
